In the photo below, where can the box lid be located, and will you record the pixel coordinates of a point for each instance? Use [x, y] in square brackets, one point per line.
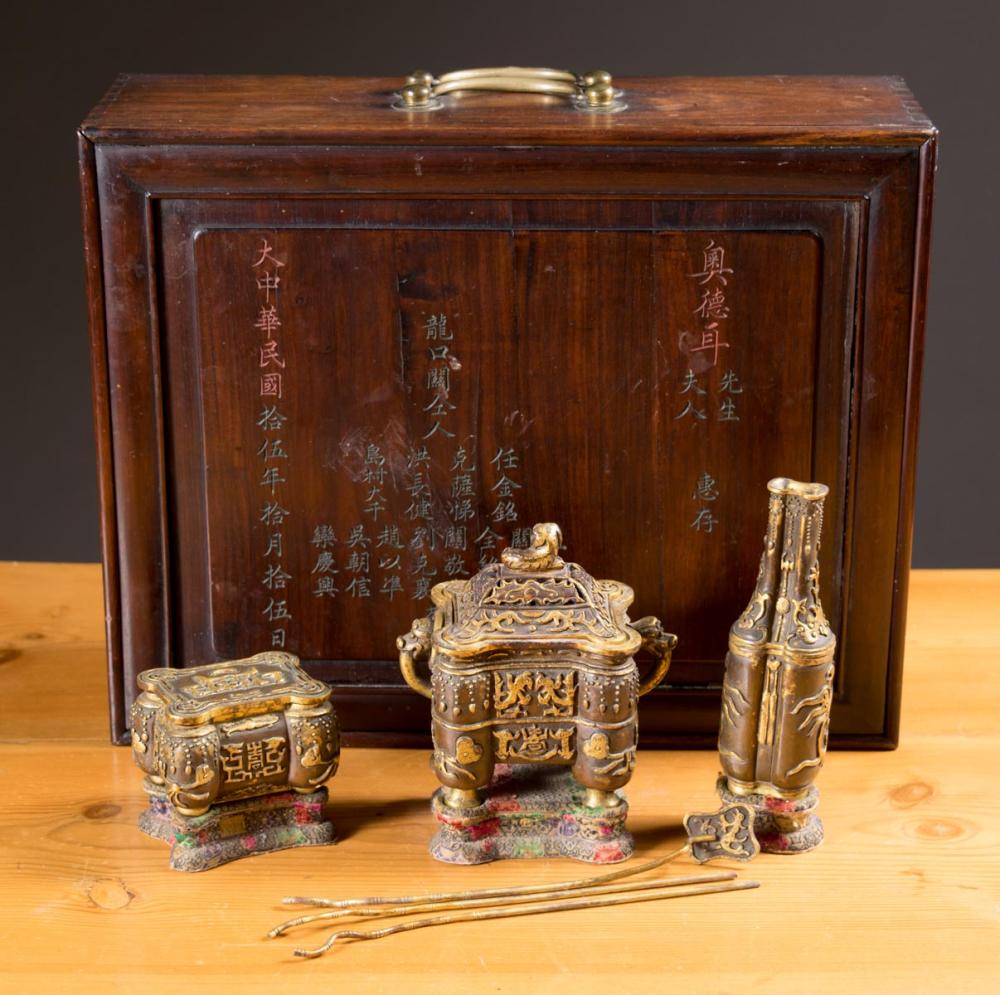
[533, 601]
[686, 110]
[219, 692]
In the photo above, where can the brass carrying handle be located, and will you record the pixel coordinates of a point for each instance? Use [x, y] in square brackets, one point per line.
[413, 647]
[660, 643]
[593, 91]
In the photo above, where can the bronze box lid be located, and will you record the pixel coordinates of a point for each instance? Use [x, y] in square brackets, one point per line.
[219, 692]
[534, 601]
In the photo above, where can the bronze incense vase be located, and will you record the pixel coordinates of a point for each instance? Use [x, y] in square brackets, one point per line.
[778, 684]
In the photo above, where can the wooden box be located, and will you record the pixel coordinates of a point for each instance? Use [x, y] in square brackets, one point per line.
[343, 351]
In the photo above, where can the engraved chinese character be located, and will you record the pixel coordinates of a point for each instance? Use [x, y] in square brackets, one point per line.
[267, 320]
[714, 264]
[419, 486]
[455, 537]
[273, 545]
[374, 475]
[391, 585]
[455, 564]
[439, 379]
[462, 485]
[359, 563]
[462, 462]
[273, 514]
[711, 340]
[420, 508]
[269, 355]
[389, 536]
[271, 478]
[436, 428]
[323, 537]
[690, 409]
[727, 410]
[521, 538]
[389, 562]
[422, 587]
[374, 505]
[325, 586]
[691, 383]
[265, 254]
[505, 459]
[705, 489]
[487, 539]
[275, 577]
[417, 457]
[360, 587]
[270, 419]
[439, 407]
[324, 563]
[461, 510]
[270, 385]
[713, 305]
[276, 610]
[439, 352]
[505, 511]
[505, 487]
[704, 521]
[272, 449]
[373, 455]
[357, 538]
[268, 282]
[730, 383]
[421, 565]
[436, 327]
[278, 638]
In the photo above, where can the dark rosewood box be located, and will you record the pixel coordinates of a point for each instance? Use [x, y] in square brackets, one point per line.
[342, 352]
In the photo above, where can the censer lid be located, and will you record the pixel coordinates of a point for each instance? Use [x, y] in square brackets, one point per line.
[533, 600]
[218, 692]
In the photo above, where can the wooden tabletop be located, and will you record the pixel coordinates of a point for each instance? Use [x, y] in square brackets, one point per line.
[903, 895]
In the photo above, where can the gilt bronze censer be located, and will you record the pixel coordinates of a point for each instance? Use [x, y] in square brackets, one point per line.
[532, 671]
[235, 756]
[778, 685]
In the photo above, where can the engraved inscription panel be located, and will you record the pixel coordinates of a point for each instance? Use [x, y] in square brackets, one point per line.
[380, 409]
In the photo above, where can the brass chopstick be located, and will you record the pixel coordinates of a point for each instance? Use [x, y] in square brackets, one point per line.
[508, 892]
[536, 908]
[383, 912]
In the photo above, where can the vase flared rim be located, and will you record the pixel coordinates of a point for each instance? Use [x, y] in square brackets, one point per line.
[803, 489]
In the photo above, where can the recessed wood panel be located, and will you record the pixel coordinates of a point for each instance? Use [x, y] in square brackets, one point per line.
[382, 409]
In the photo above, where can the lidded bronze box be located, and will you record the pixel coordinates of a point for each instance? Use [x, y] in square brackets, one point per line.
[531, 661]
[234, 730]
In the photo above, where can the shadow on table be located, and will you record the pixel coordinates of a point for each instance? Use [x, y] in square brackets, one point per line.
[348, 818]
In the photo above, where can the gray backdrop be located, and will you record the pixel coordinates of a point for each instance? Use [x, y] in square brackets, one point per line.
[58, 61]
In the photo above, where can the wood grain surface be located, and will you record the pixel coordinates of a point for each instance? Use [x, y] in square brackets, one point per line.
[789, 110]
[902, 896]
